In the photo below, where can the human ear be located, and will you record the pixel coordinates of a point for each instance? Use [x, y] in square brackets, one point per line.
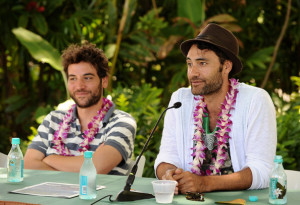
[227, 66]
[105, 82]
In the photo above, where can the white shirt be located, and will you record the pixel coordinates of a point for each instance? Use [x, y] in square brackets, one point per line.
[253, 135]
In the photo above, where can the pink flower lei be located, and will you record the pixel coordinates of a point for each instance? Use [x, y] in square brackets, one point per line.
[89, 134]
[222, 134]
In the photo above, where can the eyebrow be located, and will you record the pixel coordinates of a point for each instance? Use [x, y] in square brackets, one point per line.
[197, 59]
[86, 74]
[89, 74]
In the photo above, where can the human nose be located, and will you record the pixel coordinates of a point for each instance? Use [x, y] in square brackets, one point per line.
[194, 69]
[80, 84]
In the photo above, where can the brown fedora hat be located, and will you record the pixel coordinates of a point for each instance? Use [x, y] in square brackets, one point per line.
[222, 39]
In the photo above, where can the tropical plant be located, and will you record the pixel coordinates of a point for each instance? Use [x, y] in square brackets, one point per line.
[141, 40]
[144, 104]
[288, 129]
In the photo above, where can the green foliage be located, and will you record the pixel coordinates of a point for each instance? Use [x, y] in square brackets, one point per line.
[192, 9]
[144, 41]
[149, 53]
[41, 50]
[260, 58]
[144, 104]
[288, 129]
[150, 23]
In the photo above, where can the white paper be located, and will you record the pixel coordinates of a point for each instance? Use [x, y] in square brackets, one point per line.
[52, 189]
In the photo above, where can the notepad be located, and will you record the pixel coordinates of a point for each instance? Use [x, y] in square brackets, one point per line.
[52, 189]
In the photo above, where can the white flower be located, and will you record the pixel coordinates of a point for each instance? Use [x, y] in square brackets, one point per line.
[277, 192]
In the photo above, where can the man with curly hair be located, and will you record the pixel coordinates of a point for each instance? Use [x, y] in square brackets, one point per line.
[91, 124]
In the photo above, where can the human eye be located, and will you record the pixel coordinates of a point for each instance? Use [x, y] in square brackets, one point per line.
[88, 78]
[202, 63]
[72, 78]
[189, 64]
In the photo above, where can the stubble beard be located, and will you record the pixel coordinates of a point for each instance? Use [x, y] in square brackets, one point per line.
[92, 100]
[210, 87]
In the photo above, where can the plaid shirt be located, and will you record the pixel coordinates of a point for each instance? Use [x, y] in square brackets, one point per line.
[117, 129]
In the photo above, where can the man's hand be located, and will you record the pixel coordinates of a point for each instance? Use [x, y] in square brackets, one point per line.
[169, 176]
[188, 182]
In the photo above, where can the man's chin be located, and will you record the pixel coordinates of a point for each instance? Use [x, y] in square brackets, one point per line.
[81, 103]
[196, 91]
[85, 104]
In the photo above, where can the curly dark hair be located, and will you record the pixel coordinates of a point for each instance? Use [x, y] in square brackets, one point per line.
[87, 52]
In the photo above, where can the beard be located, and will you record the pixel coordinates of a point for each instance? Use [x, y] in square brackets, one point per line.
[92, 99]
[211, 85]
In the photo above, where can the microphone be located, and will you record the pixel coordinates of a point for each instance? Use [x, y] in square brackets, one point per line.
[126, 194]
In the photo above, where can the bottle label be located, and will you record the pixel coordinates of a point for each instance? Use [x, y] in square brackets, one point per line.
[83, 185]
[22, 168]
[278, 191]
[12, 162]
[12, 168]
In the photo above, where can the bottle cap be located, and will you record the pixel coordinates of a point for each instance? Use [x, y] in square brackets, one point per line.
[15, 141]
[278, 159]
[252, 198]
[88, 154]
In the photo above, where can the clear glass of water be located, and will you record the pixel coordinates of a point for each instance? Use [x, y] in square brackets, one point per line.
[164, 190]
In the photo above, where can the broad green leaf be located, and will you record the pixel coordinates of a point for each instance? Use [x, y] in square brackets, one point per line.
[23, 20]
[192, 9]
[16, 105]
[40, 23]
[132, 7]
[232, 27]
[13, 99]
[17, 8]
[260, 58]
[40, 49]
[222, 18]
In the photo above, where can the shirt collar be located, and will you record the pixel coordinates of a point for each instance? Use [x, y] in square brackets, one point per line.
[106, 117]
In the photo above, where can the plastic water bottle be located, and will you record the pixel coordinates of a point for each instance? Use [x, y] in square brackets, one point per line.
[88, 177]
[15, 162]
[278, 183]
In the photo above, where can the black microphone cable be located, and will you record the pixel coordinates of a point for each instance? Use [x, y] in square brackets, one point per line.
[104, 198]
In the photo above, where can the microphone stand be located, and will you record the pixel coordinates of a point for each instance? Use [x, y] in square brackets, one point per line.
[127, 194]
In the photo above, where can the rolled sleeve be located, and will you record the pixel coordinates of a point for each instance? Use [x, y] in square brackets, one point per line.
[121, 135]
[261, 139]
[168, 152]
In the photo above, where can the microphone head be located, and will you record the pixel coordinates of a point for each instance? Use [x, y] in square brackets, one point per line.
[177, 105]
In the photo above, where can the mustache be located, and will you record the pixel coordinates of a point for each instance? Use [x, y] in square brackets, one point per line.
[195, 78]
[81, 90]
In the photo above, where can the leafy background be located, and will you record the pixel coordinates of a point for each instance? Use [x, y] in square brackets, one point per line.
[141, 40]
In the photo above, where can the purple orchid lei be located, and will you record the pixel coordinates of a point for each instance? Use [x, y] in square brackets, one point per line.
[89, 134]
[222, 134]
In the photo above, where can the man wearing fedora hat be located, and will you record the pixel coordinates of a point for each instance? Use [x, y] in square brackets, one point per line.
[224, 135]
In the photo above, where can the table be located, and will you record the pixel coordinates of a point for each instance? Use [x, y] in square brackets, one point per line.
[114, 184]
